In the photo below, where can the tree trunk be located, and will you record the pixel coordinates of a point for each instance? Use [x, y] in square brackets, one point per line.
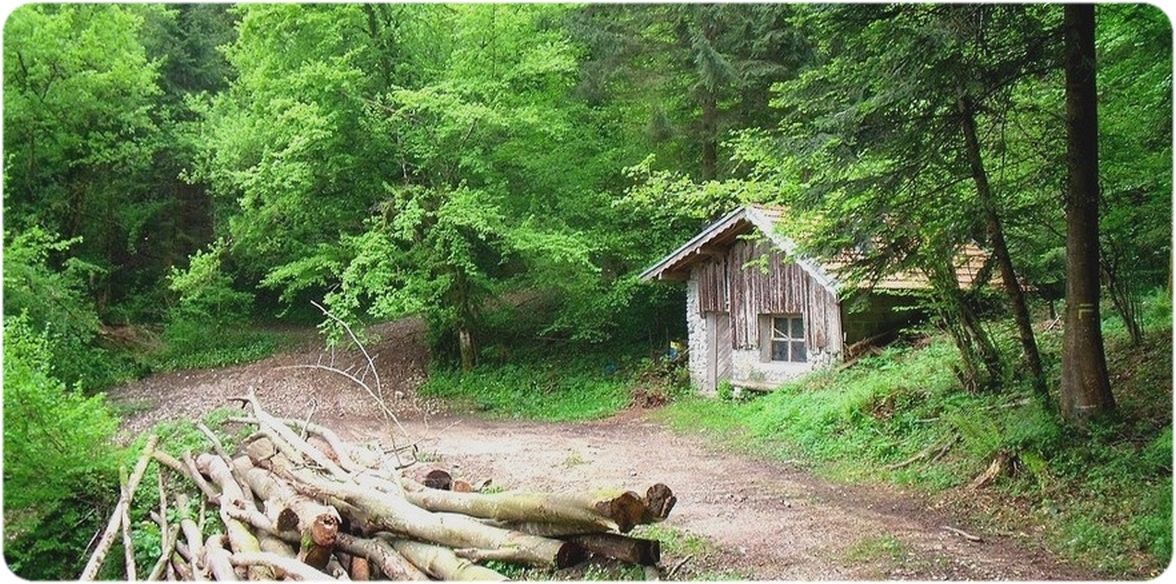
[1085, 389]
[1000, 248]
[710, 130]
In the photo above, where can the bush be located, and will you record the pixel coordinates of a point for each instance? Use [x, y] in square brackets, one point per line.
[51, 291]
[59, 460]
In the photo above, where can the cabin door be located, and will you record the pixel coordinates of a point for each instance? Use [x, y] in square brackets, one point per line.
[718, 329]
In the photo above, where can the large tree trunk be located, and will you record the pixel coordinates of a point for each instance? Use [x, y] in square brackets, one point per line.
[1000, 248]
[1085, 389]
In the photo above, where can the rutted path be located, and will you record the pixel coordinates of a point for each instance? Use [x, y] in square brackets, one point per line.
[764, 520]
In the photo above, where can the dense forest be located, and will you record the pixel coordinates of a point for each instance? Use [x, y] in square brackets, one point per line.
[181, 181]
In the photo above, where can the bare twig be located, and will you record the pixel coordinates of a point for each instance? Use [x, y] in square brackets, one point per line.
[354, 339]
[674, 571]
[963, 534]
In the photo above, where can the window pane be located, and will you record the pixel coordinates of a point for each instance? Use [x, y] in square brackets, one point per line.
[798, 351]
[779, 351]
[779, 328]
[798, 328]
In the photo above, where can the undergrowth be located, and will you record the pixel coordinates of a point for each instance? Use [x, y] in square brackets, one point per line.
[1104, 498]
[588, 386]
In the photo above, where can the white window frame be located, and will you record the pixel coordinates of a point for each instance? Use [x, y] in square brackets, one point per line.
[775, 335]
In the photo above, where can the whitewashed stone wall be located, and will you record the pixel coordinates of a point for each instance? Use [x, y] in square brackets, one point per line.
[696, 336]
[747, 367]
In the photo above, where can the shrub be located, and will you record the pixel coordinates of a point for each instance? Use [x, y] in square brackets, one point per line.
[59, 460]
[51, 291]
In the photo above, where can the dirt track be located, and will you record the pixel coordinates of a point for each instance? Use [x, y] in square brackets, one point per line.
[765, 520]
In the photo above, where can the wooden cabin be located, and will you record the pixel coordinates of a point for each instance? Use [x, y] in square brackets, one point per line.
[759, 315]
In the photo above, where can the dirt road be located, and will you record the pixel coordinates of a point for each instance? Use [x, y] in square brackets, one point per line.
[737, 517]
[762, 520]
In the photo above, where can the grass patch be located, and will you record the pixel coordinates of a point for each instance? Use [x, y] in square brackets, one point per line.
[1103, 497]
[877, 547]
[552, 390]
[675, 541]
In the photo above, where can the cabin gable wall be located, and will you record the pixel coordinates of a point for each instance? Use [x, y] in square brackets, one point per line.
[748, 284]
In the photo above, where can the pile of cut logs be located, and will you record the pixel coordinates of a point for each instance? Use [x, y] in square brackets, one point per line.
[297, 502]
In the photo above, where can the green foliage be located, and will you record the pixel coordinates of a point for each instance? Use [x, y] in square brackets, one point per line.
[59, 459]
[205, 291]
[40, 281]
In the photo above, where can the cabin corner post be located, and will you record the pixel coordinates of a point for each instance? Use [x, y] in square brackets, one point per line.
[696, 336]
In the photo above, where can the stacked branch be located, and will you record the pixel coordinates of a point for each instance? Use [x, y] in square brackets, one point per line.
[296, 502]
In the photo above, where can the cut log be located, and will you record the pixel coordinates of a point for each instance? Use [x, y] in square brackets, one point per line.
[360, 569]
[232, 497]
[292, 567]
[217, 559]
[317, 524]
[438, 479]
[634, 550]
[112, 526]
[442, 563]
[589, 511]
[381, 554]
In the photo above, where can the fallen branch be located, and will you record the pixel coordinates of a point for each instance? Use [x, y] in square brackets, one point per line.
[124, 502]
[674, 571]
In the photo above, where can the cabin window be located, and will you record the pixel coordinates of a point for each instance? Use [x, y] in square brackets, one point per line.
[788, 339]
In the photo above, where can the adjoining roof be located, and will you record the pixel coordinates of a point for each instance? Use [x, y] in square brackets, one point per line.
[723, 232]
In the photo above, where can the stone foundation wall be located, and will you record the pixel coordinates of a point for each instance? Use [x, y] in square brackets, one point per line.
[696, 336]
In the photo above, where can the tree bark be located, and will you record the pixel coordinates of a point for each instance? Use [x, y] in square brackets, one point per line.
[232, 497]
[1085, 388]
[217, 559]
[292, 567]
[634, 550]
[443, 563]
[1000, 248]
[382, 555]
